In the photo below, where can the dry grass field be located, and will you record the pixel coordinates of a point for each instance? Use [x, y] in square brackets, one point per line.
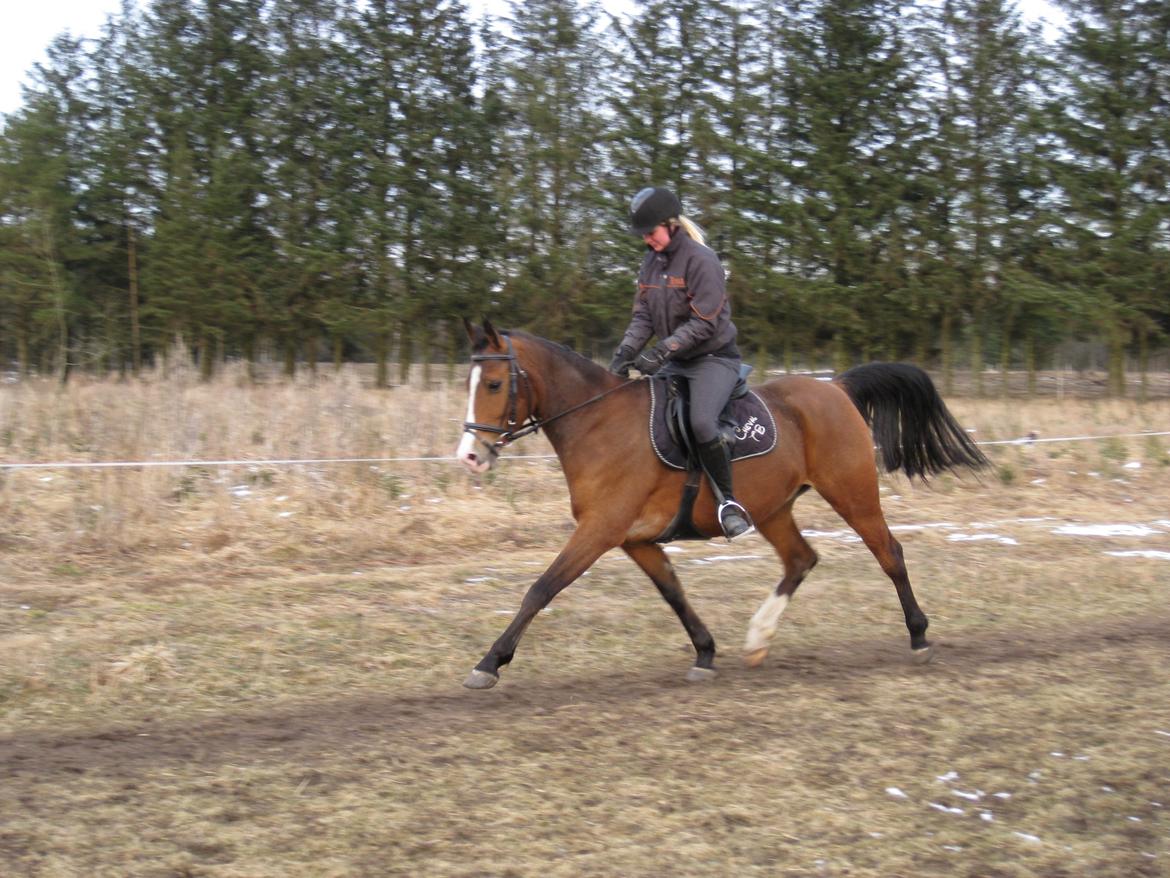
[253, 670]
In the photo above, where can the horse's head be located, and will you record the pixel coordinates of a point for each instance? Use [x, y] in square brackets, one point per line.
[499, 398]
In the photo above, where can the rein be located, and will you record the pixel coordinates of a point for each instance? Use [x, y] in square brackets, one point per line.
[532, 423]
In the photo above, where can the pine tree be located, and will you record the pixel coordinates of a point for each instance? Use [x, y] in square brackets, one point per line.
[547, 82]
[1113, 167]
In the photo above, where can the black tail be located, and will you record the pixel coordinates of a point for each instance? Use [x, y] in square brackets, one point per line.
[911, 425]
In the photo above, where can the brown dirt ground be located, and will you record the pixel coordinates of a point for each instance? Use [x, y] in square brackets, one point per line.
[262, 705]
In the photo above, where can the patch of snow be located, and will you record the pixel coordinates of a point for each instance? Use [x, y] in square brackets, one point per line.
[1026, 836]
[714, 558]
[1133, 464]
[896, 793]
[945, 808]
[1106, 530]
[1160, 556]
[948, 777]
[972, 538]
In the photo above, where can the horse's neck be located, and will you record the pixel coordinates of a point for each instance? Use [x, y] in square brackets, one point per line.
[565, 386]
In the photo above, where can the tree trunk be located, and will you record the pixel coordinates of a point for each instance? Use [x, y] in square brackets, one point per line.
[290, 358]
[381, 359]
[975, 359]
[947, 353]
[1030, 362]
[1116, 361]
[206, 359]
[135, 330]
[22, 353]
[1144, 364]
[405, 351]
[312, 351]
[1005, 363]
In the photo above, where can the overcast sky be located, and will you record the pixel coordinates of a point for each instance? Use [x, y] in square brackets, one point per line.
[26, 33]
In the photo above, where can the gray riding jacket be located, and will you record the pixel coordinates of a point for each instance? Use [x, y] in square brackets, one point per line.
[682, 299]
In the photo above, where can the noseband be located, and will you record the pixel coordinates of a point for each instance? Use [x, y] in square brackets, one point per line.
[507, 433]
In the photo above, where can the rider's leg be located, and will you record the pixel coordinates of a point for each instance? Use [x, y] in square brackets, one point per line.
[711, 381]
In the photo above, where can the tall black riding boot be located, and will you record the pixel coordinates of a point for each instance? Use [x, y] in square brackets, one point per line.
[716, 460]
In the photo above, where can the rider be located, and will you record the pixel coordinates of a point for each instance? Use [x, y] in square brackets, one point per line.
[682, 300]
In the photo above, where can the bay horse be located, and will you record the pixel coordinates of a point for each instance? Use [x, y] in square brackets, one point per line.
[622, 495]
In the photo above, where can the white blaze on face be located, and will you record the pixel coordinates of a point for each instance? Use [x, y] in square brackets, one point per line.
[466, 452]
[764, 622]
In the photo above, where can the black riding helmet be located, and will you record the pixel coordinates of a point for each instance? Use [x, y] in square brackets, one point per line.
[651, 207]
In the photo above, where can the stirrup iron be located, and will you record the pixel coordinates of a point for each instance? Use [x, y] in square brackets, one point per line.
[739, 512]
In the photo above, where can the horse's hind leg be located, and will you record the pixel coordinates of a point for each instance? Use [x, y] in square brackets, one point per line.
[655, 564]
[859, 505]
[798, 558]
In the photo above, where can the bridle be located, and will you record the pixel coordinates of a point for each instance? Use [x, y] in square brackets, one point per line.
[508, 433]
[513, 430]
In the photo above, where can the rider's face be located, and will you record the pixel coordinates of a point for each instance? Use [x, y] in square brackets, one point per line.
[657, 239]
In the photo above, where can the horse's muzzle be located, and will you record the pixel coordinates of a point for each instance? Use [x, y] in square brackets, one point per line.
[475, 454]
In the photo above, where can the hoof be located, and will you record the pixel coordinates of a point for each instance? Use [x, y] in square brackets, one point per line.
[923, 656]
[480, 680]
[755, 658]
[700, 675]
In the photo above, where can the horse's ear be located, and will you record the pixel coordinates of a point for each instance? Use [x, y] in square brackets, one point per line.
[490, 332]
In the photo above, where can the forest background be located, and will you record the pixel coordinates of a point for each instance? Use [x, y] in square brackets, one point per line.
[311, 180]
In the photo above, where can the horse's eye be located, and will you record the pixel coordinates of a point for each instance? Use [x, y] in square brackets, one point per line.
[494, 386]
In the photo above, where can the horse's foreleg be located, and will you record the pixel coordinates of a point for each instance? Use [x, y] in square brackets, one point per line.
[584, 547]
[655, 564]
[798, 558]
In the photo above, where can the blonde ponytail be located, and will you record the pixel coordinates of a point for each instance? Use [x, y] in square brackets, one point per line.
[692, 229]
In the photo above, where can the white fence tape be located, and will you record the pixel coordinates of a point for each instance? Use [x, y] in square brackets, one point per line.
[318, 461]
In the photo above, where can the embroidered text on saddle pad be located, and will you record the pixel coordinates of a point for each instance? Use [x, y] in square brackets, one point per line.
[754, 427]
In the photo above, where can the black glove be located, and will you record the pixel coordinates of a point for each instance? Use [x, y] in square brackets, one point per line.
[649, 362]
[623, 361]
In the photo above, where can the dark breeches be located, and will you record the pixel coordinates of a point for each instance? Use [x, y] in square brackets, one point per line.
[710, 380]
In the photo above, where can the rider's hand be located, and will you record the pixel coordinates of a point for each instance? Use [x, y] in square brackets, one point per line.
[649, 362]
[623, 361]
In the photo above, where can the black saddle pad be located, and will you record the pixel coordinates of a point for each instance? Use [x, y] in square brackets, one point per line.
[748, 420]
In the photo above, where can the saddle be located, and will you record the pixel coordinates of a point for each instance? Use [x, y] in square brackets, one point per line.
[745, 423]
